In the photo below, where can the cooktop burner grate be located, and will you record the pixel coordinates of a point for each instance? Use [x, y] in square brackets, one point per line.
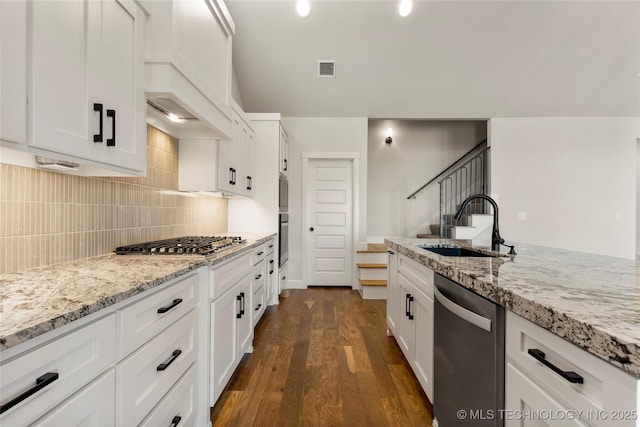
[188, 245]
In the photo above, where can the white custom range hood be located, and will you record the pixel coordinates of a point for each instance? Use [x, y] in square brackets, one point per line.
[188, 69]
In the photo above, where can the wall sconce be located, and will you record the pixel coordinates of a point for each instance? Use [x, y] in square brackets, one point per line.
[388, 139]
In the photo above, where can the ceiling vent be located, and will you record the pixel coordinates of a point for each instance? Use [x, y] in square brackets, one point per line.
[327, 68]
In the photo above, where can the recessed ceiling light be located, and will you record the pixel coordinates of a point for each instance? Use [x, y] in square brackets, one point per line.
[405, 7]
[303, 8]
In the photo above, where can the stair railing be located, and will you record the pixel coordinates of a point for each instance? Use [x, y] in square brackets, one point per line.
[482, 146]
[467, 179]
[464, 177]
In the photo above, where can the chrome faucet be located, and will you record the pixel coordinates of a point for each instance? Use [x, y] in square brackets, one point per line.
[496, 240]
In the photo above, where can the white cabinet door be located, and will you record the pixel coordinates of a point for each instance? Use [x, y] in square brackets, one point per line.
[93, 406]
[393, 293]
[85, 81]
[13, 71]
[245, 321]
[224, 346]
[228, 167]
[284, 152]
[422, 311]
[406, 333]
[122, 86]
[64, 79]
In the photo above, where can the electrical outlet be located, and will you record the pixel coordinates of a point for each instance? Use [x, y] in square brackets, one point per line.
[522, 216]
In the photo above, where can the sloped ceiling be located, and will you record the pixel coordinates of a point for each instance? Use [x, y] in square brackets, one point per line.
[448, 59]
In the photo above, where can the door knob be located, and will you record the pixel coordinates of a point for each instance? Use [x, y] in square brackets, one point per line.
[311, 229]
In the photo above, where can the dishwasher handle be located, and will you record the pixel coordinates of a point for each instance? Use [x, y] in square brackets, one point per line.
[471, 317]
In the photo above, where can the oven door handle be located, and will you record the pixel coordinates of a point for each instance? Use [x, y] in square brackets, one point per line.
[471, 317]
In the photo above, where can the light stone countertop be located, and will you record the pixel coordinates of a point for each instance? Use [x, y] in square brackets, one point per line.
[41, 299]
[592, 301]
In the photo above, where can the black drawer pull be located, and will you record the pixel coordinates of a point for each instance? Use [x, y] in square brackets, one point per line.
[570, 376]
[271, 272]
[285, 165]
[97, 137]
[175, 421]
[41, 382]
[111, 142]
[239, 313]
[242, 307]
[258, 307]
[165, 365]
[270, 246]
[391, 253]
[175, 302]
[231, 176]
[258, 276]
[260, 253]
[271, 262]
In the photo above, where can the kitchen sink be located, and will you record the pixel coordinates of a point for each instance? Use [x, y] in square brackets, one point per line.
[455, 251]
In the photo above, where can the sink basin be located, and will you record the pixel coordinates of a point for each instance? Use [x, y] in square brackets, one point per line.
[454, 251]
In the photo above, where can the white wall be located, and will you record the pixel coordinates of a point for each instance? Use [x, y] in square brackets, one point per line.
[320, 135]
[420, 150]
[638, 201]
[575, 178]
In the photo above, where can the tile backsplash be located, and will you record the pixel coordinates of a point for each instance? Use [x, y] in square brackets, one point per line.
[48, 217]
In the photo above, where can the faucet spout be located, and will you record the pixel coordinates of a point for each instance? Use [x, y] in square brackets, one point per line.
[496, 240]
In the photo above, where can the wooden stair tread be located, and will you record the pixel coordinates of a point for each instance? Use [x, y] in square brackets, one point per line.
[428, 236]
[373, 282]
[373, 248]
[372, 265]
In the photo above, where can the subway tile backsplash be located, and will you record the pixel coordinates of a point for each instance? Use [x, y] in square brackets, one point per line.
[48, 217]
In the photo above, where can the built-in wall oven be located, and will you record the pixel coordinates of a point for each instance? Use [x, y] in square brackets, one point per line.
[283, 228]
[283, 239]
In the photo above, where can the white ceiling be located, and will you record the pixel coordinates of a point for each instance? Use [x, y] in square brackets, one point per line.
[448, 59]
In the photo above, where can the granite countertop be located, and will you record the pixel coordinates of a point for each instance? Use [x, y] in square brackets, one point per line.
[592, 301]
[41, 299]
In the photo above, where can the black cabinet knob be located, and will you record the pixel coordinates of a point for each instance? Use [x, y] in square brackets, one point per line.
[310, 228]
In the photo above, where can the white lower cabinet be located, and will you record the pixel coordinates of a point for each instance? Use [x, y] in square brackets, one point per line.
[33, 383]
[231, 320]
[148, 374]
[551, 382]
[90, 407]
[410, 315]
[133, 361]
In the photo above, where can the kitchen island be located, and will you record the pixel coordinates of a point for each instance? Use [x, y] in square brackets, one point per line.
[592, 301]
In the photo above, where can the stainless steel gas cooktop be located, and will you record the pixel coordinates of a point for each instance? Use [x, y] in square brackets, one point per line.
[188, 245]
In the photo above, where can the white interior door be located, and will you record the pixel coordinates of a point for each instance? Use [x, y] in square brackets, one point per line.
[329, 222]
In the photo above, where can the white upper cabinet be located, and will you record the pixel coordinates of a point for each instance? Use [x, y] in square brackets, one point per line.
[86, 97]
[284, 152]
[226, 165]
[13, 72]
[188, 59]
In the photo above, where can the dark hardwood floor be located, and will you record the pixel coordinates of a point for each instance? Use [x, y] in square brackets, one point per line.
[322, 358]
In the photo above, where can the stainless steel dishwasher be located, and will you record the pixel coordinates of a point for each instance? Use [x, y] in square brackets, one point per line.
[468, 357]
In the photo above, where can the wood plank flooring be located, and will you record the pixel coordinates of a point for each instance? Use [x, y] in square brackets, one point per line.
[322, 358]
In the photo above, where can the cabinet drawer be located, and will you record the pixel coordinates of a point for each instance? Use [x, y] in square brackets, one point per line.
[419, 275]
[259, 272]
[258, 304]
[76, 358]
[259, 253]
[604, 386]
[179, 405]
[224, 277]
[141, 380]
[270, 246]
[524, 400]
[141, 321]
[96, 402]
